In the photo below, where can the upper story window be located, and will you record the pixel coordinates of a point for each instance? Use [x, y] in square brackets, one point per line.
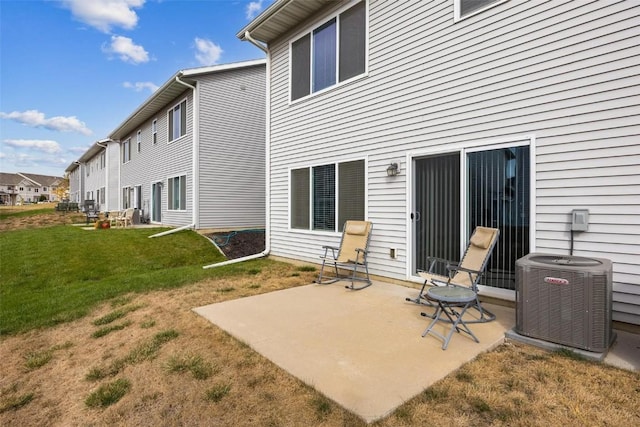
[126, 150]
[103, 160]
[139, 140]
[154, 131]
[331, 53]
[177, 117]
[464, 8]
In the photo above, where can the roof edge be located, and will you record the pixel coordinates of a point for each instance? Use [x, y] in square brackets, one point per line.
[264, 16]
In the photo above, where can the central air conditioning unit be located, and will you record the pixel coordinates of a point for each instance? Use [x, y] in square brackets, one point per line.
[565, 300]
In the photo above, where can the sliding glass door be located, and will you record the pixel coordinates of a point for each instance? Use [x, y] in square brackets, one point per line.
[495, 187]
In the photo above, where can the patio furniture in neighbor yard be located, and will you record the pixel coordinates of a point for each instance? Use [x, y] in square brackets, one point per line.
[90, 211]
[466, 274]
[125, 218]
[351, 255]
[113, 216]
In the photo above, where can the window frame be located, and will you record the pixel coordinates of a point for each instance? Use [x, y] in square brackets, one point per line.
[457, 8]
[126, 151]
[126, 196]
[336, 194]
[154, 131]
[309, 32]
[182, 204]
[183, 126]
[139, 140]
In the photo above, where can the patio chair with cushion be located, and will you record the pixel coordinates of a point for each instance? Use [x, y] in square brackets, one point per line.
[125, 218]
[351, 255]
[466, 274]
[113, 216]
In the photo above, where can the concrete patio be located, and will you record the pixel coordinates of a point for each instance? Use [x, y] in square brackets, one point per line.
[362, 349]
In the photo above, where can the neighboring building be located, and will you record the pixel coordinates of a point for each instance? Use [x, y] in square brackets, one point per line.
[98, 169]
[499, 113]
[76, 188]
[191, 154]
[18, 188]
[9, 184]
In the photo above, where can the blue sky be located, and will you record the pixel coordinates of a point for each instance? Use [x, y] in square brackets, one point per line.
[72, 70]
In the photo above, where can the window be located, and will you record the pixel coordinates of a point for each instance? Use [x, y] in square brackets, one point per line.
[139, 140]
[464, 8]
[137, 197]
[177, 193]
[154, 131]
[324, 197]
[102, 195]
[126, 197]
[331, 53]
[177, 118]
[103, 160]
[126, 151]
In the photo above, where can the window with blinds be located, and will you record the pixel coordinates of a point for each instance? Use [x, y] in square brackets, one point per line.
[332, 52]
[324, 197]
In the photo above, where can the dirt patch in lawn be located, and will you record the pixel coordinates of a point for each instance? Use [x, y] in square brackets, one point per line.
[40, 220]
[239, 243]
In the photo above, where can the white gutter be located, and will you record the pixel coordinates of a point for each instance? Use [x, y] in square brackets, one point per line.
[175, 230]
[259, 45]
[267, 167]
[104, 144]
[195, 199]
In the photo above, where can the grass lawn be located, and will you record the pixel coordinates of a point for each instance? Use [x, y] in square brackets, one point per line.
[56, 274]
[98, 329]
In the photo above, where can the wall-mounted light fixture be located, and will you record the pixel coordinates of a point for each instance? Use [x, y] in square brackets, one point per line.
[393, 170]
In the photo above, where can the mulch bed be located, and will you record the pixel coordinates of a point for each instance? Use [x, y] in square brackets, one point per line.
[237, 244]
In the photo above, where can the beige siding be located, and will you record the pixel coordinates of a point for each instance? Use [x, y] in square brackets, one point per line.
[567, 73]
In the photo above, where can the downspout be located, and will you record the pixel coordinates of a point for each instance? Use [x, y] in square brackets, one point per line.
[106, 174]
[267, 156]
[195, 204]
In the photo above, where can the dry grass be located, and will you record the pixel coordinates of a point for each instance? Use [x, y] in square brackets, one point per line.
[199, 375]
[161, 364]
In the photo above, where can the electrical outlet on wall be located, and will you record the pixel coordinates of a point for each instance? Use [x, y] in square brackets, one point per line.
[393, 253]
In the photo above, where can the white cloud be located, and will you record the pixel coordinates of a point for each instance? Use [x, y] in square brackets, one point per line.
[35, 118]
[140, 86]
[253, 9]
[126, 50]
[43, 145]
[208, 53]
[79, 150]
[104, 14]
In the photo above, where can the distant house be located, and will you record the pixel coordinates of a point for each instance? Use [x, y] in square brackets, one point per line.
[18, 188]
[431, 118]
[191, 155]
[9, 184]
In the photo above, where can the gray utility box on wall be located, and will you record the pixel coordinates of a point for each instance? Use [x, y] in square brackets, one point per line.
[565, 300]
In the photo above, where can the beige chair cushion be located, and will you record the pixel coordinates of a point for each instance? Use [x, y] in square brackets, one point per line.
[483, 237]
[357, 228]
